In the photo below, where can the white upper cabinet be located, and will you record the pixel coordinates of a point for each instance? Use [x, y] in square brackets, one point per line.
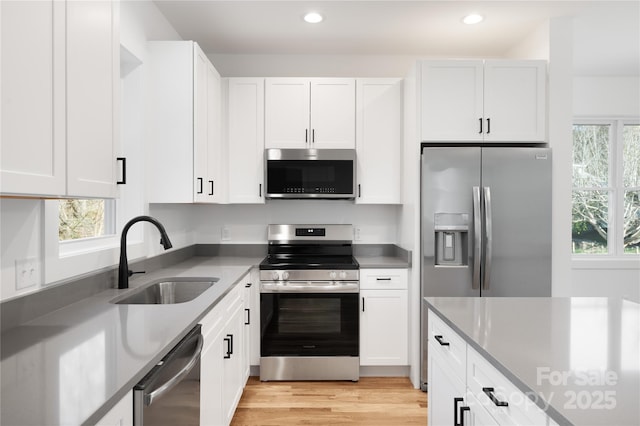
[309, 113]
[185, 125]
[92, 62]
[58, 120]
[378, 140]
[245, 139]
[483, 101]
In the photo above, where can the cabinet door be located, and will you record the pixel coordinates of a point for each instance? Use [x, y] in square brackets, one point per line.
[32, 151]
[211, 374]
[233, 371]
[514, 101]
[121, 414]
[333, 110]
[92, 68]
[254, 347]
[383, 327]
[443, 389]
[451, 100]
[215, 190]
[245, 136]
[287, 104]
[249, 319]
[200, 123]
[378, 140]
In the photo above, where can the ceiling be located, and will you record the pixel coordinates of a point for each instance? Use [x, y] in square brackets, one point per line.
[606, 33]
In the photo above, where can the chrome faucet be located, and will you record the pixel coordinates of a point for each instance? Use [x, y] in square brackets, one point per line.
[123, 269]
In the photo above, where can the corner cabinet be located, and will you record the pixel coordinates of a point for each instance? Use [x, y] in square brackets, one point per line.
[245, 139]
[185, 140]
[378, 140]
[59, 101]
[310, 113]
[464, 388]
[384, 322]
[483, 101]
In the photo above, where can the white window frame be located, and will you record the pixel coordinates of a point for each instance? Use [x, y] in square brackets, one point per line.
[84, 245]
[615, 257]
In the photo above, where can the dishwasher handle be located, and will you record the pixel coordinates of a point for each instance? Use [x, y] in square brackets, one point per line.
[165, 387]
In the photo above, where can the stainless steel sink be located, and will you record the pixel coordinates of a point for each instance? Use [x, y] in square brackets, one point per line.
[168, 291]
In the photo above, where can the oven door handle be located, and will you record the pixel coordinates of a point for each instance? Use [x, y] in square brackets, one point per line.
[165, 387]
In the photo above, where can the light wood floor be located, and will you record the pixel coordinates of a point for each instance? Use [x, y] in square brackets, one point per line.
[387, 401]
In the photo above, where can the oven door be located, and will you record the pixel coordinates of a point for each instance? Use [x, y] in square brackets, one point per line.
[309, 324]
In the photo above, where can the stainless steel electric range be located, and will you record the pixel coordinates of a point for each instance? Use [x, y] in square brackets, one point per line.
[309, 304]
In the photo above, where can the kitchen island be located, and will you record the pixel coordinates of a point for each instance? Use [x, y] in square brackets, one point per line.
[552, 360]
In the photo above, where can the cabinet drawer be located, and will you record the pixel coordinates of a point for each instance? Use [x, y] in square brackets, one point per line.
[451, 347]
[381, 279]
[520, 409]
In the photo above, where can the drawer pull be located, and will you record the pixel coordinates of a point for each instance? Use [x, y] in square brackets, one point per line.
[462, 410]
[456, 401]
[383, 279]
[492, 397]
[442, 342]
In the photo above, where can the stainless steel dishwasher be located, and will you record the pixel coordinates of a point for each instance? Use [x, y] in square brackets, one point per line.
[170, 393]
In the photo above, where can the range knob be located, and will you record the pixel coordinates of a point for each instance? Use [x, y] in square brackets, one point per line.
[333, 275]
[275, 276]
[343, 275]
[285, 275]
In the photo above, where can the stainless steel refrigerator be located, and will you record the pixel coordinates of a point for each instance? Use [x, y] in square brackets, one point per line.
[486, 224]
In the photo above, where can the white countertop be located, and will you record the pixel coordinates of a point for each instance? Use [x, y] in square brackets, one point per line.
[71, 366]
[579, 355]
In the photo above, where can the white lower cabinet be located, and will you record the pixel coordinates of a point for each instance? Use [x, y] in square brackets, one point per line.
[121, 414]
[465, 389]
[222, 370]
[383, 317]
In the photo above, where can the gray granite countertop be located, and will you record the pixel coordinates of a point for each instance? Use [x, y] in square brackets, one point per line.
[382, 262]
[579, 355]
[72, 365]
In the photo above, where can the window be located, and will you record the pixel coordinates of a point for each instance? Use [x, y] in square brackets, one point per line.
[80, 219]
[606, 188]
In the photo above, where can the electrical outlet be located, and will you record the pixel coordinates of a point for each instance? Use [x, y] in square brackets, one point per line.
[356, 234]
[27, 272]
[226, 234]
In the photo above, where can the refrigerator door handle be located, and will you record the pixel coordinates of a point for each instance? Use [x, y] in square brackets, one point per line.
[486, 281]
[477, 238]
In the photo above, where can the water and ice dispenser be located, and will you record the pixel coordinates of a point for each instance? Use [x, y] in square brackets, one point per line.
[452, 239]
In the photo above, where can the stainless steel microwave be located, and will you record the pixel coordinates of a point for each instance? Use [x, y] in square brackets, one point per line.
[310, 173]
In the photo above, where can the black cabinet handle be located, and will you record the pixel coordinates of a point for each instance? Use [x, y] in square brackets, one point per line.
[363, 304]
[462, 410]
[247, 285]
[211, 183]
[359, 191]
[480, 120]
[492, 397]
[488, 125]
[259, 190]
[456, 401]
[124, 171]
[200, 182]
[306, 135]
[248, 321]
[442, 342]
[383, 279]
[313, 135]
[227, 339]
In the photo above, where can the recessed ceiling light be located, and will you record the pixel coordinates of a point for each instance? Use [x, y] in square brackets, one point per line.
[473, 18]
[313, 17]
